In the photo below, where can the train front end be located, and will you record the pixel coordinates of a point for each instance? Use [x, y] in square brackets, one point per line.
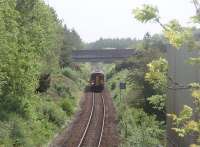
[97, 81]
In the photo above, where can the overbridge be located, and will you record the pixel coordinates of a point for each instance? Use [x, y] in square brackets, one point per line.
[102, 55]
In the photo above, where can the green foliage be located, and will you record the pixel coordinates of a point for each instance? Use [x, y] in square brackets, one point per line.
[27, 38]
[17, 75]
[31, 41]
[146, 13]
[176, 34]
[140, 88]
[138, 80]
[156, 42]
[196, 19]
[157, 74]
[173, 31]
[137, 128]
[80, 76]
[20, 132]
[158, 101]
[71, 41]
[196, 96]
[194, 86]
[62, 90]
[53, 113]
[194, 61]
[70, 73]
[157, 78]
[185, 115]
[184, 123]
[116, 43]
[15, 133]
[113, 86]
[67, 106]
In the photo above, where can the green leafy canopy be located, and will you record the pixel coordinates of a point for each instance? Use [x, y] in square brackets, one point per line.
[146, 13]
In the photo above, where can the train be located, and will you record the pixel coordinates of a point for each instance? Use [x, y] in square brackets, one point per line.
[97, 80]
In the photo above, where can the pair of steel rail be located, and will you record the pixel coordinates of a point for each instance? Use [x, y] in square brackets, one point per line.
[89, 121]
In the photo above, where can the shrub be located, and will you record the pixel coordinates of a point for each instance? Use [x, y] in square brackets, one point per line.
[113, 86]
[15, 132]
[62, 90]
[68, 72]
[4, 134]
[138, 129]
[54, 113]
[67, 106]
[21, 132]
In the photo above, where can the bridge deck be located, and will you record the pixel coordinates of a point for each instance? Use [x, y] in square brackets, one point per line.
[103, 55]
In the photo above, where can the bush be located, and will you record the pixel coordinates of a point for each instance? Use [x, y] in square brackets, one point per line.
[67, 106]
[54, 113]
[21, 132]
[113, 86]
[62, 90]
[68, 72]
[4, 134]
[138, 129]
[15, 132]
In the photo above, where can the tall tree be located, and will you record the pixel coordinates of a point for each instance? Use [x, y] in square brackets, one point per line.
[71, 41]
[29, 35]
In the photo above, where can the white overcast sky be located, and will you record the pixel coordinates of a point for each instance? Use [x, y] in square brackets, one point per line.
[93, 19]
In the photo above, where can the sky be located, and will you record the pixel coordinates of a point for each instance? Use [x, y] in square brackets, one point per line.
[94, 19]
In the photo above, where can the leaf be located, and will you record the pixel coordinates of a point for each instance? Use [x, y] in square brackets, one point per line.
[146, 13]
[176, 34]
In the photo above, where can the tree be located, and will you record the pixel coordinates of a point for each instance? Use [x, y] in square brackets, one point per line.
[29, 35]
[174, 32]
[115, 43]
[157, 77]
[71, 41]
[177, 36]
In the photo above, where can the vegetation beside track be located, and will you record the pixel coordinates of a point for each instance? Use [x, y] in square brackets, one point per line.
[141, 106]
[185, 122]
[38, 83]
[137, 128]
[50, 112]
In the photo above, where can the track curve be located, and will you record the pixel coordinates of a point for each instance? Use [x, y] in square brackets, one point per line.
[95, 124]
[96, 121]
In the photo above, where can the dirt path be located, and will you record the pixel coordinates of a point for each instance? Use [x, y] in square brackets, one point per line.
[71, 137]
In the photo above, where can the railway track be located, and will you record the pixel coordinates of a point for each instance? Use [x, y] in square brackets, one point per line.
[94, 125]
[87, 131]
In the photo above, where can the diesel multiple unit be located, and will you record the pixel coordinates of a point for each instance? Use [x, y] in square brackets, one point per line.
[97, 81]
